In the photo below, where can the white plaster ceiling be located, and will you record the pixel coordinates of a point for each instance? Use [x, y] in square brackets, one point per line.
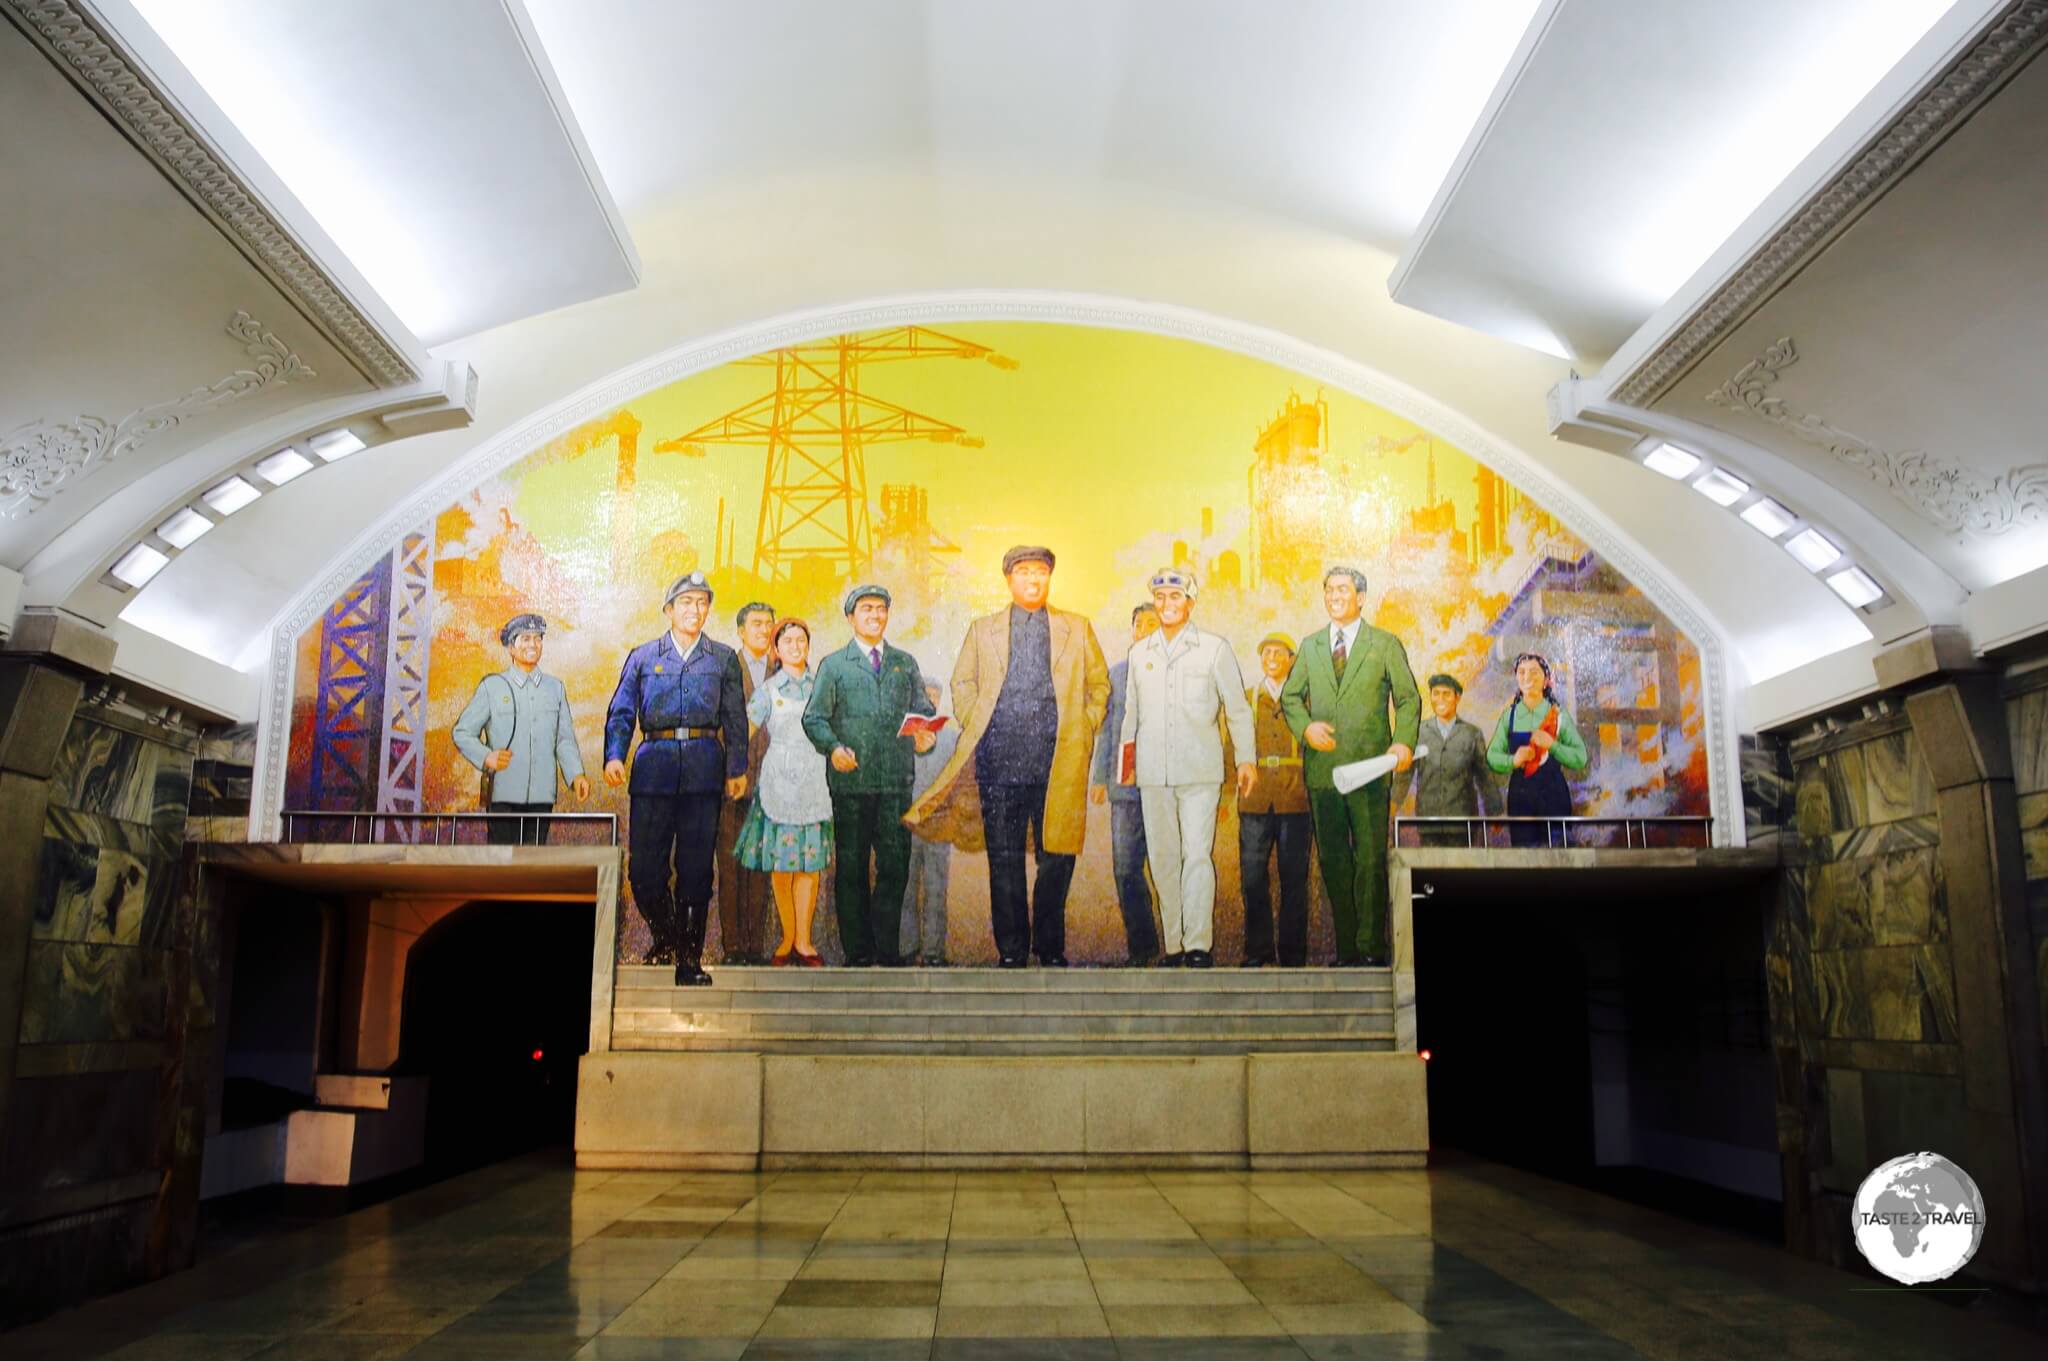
[1624, 146]
[1331, 113]
[1914, 381]
[430, 141]
[116, 343]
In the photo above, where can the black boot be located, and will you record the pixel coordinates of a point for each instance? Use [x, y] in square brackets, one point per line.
[690, 953]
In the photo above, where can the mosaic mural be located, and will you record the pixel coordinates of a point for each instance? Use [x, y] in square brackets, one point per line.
[915, 458]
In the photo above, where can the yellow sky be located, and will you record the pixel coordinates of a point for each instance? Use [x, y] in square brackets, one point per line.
[1097, 439]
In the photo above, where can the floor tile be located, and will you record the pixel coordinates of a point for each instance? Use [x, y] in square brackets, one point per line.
[817, 1321]
[1057, 1291]
[993, 1349]
[1226, 1347]
[345, 1347]
[1023, 1321]
[815, 1291]
[1172, 1291]
[1191, 1321]
[837, 1348]
[606, 1346]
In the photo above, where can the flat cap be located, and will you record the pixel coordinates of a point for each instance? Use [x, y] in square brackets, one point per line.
[1173, 578]
[689, 581]
[1027, 553]
[854, 596]
[521, 624]
[1276, 638]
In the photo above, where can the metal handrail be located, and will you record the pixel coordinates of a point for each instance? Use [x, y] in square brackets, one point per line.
[1558, 830]
[372, 824]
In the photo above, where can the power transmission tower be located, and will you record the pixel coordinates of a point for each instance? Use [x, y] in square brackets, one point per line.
[816, 425]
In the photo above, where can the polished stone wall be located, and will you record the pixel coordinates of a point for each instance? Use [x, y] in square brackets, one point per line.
[222, 773]
[1863, 999]
[2026, 718]
[105, 1110]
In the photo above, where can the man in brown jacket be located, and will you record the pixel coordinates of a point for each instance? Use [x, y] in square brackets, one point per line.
[1015, 774]
[1274, 817]
[743, 894]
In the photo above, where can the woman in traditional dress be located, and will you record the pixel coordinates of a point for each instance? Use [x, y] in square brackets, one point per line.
[1532, 744]
[788, 832]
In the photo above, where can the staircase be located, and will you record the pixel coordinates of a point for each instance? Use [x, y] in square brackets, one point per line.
[1095, 1012]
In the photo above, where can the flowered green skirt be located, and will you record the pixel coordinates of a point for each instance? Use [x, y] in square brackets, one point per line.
[764, 844]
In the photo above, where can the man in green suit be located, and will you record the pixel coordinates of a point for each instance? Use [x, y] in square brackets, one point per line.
[857, 706]
[1336, 700]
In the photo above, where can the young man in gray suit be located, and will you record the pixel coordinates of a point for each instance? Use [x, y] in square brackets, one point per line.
[517, 729]
[1453, 780]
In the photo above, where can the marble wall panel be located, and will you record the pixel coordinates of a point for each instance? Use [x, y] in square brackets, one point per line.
[1838, 904]
[1905, 1112]
[2026, 718]
[2034, 833]
[171, 792]
[1848, 785]
[1767, 788]
[1934, 971]
[1905, 892]
[106, 771]
[1888, 765]
[92, 991]
[1885, 993]
[1813, 815]
[1922, 831]
[78, 1129]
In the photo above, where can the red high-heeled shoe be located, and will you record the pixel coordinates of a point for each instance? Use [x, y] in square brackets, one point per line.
[810, 960]
[782, 957]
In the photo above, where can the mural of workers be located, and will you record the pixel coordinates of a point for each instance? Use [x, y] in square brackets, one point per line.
[1337, 699]
[923, 935]
[1030, 689]
[743, 894]
[1182, 681]
[1533, 743]
[518, 731]
[684, 693]
[1454, 779]
[1126, 810]
[855, 717]
[1273, 821]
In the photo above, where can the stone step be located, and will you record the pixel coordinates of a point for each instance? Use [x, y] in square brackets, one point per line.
[905, 1024]
[992, 1002]
[1192, 1043]
[1021, 981]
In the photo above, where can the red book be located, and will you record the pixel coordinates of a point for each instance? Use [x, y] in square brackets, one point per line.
[1537, 755]
[1127, 764]
[914, 724]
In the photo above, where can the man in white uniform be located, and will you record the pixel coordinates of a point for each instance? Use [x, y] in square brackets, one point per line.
[1180, 680]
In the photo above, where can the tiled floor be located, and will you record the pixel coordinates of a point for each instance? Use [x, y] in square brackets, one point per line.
[529, 1259]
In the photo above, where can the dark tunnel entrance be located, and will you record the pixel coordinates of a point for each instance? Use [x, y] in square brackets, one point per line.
[1608, 1028]
[496, 1012]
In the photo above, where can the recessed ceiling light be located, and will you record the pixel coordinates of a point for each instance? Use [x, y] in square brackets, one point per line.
[1768, 517]
[1671, 461]
[184, 526]
[1812, 548]
[231, 496]
[1721, 488]
[138, 565]
[336, 444]
[281, 467]
[1855, 586]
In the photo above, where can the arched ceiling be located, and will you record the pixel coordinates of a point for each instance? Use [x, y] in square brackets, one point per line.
[1270, 165]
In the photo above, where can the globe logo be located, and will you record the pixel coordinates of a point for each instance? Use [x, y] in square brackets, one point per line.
[1918, 1218]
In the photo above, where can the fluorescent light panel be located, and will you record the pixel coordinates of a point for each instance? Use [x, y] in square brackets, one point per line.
[336, 444]
[183, 528]
[1812, 548]
[138, 565]
[1671, 461]
[1855, 586]
[230, 496]
[1721, 487]
[1768, 517]
[281, 467]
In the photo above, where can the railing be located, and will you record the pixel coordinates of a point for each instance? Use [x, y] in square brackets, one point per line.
[1636, 829]
[451, 829]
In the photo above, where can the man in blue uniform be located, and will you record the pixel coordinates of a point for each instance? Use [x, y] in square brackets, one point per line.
[685, 693]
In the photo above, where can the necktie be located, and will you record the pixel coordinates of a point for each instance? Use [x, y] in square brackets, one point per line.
[1337, 655]
[875, 660]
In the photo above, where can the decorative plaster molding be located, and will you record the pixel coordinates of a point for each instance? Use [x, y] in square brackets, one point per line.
[37, 459]
[995, 305]
[2000, 52]
[95, 60]
[1933, 485]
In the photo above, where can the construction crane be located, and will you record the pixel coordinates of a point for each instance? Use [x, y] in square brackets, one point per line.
[816, 425]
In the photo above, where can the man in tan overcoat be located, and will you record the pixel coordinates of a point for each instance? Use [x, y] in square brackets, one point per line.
[1015, 774]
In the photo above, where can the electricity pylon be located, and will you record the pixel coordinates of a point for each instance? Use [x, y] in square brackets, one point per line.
[816, 425]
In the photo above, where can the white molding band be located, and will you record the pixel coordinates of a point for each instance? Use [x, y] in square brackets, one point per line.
[2006, 46]
[108, 73]
[1001, 305]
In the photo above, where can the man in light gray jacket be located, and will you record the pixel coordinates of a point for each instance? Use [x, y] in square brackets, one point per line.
[517, 731]
[1180, 681]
